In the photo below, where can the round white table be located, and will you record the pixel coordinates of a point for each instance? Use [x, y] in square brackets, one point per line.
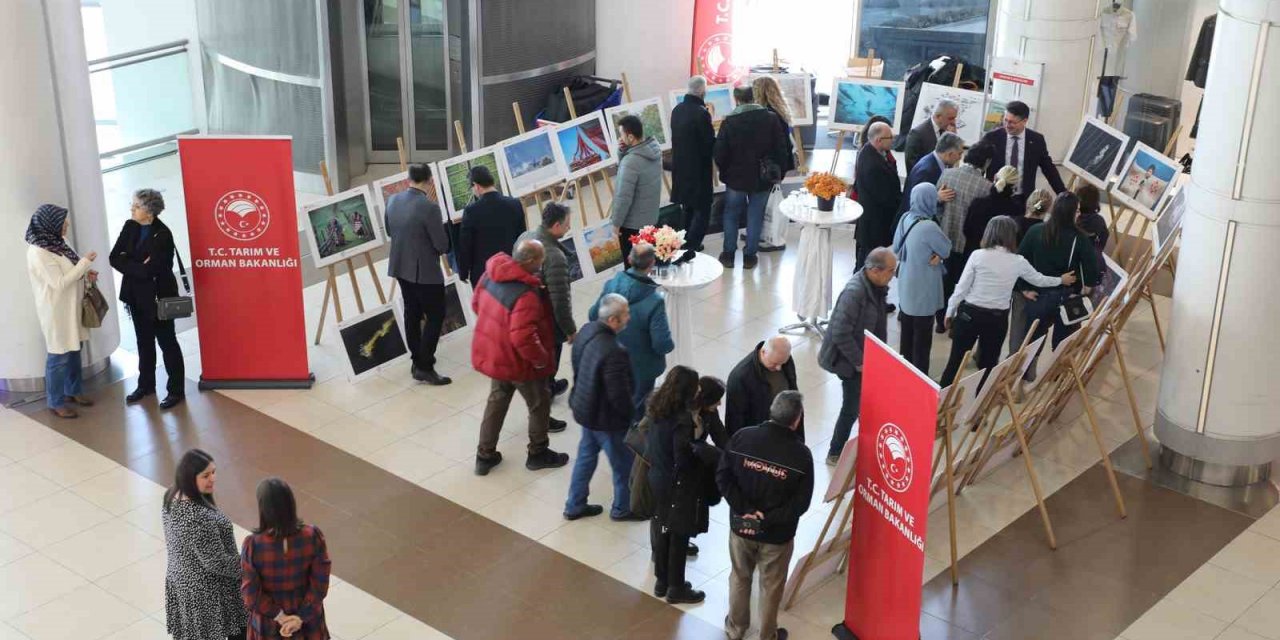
[811, 293]
[679, 282]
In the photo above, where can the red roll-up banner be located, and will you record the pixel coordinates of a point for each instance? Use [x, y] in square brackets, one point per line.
[712, 52]
[895, 463]
[243, 227]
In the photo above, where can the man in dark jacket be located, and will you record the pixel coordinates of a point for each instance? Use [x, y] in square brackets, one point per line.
[418, 239]
[692, 140]
[861, 307]
[879, 191]
[1024, 149]
[513, 346]
[924, 136]
[756, 381]
[751, 152]
[946, 154]
[601, 403]
[647, 337]
[555, 277]
[766, 476]
[490, 224]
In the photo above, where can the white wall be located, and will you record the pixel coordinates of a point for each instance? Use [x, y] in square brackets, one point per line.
[649, 41]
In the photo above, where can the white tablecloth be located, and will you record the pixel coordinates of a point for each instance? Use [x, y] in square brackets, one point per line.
[811, 293]
[679, 284]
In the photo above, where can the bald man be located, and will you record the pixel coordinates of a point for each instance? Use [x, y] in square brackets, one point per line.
[756, 381]
[879, 192]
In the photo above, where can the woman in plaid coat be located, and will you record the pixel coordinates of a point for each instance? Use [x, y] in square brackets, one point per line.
[286, 570]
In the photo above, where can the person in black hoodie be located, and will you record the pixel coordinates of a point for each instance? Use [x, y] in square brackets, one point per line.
[752, 151]
[143, 254]
[766, 476]
[601, 403]
[490, 225]
[756, 381]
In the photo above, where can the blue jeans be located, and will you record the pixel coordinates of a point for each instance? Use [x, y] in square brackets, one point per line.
[735, 204]
[61, 377]
[614, 446]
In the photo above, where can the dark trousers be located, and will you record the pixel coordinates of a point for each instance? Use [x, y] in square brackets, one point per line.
[851, 402]
[1045, 309]
[697, 220]
[954, 266]
[624, 241]
[976, 325]
[670, 549]
[422, 301]
[150, 330]
[916, 340]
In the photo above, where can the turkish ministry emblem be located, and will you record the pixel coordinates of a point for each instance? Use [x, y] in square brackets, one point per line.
[715, 59]
[242, 215]
[893, 453]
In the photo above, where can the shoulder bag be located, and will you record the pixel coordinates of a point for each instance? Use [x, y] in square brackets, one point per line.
[93, 307]
[175, 307]
[1077, 307]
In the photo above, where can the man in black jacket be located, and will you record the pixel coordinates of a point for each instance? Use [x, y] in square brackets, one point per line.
[692, 140]
[490, 225]
[751, 152]
[756, 381]
[879, 192]
[1019, 146]
[766, 476]
[924, 136]
[601, 403]
[861, 307]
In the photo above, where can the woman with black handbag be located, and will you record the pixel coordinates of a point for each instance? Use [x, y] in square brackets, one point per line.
[144, 254]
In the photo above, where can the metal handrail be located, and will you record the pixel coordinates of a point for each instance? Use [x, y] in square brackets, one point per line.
[179, 45]
[147, 143]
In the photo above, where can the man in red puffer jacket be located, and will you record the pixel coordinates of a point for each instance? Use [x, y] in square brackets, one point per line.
[514, 345]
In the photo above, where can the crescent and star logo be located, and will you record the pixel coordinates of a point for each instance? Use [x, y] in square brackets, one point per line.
[893, 454]
[715, 59]
[242, 215]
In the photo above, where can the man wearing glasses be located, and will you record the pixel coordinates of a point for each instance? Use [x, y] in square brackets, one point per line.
[1018, 146]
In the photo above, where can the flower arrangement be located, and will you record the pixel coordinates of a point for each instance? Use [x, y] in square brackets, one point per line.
[666, 242]
[825, 185]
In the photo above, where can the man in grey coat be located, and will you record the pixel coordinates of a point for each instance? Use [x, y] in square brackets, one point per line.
[555, 277]
[638, 192]
[860, 307]
[418, 239]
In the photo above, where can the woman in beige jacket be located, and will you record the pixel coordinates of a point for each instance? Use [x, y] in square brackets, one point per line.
[57, 281]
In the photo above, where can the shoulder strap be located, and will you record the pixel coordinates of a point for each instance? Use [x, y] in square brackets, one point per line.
[906, 235]
[182, 269]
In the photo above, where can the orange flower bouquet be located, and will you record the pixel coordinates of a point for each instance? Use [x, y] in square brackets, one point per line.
[825, 187]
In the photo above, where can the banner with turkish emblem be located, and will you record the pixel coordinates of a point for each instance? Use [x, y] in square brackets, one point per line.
[711, 55]
[245, 263]
[896, 429]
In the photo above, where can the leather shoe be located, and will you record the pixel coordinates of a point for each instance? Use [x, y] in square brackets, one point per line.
[556, 425]
[171, 401]
[65, 412]
[628, 517]
[546, 459]
[430, 377]
[137, 396]
[558, 387]
[749, 262]
[589, 511]
[83, 401]
[685, 595]
[727, 258]
[484, 465]
[692, 550]
[660, 589]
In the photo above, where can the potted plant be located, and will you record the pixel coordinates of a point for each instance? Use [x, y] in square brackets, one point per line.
[825, 187]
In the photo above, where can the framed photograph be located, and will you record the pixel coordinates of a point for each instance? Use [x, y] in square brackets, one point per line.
[1145, 179]
[457, 308]
[1169, 224]
[570, 245]
[454, 180]
[969, 119]
[582, 147]
[391, 185]
[719, 100]
[854, 101]
[341, 226]
[797, 91]
[651, 113]
[603, 252]
[372, 341]
[529, 162]
[1095, 152]
[1113, 279]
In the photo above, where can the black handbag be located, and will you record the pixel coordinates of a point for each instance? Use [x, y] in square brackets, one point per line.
[175, 307]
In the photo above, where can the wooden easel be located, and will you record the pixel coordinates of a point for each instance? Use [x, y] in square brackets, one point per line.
[536, 195]
[870, 61]
[590, 176]
[795, 131]
[331, 284]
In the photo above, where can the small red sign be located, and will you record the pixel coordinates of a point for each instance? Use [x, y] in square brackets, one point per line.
[1009, 77]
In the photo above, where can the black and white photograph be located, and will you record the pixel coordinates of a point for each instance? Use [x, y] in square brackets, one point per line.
[1169, 223]
[372, 340]
[1096, 152]
[570, 245]
[455, 308]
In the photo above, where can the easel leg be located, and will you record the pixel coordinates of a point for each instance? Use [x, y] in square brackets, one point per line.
[804, 569]
[355, 286]
[324, 309]
[1097, 437]
[951, 506]
[1133, 400]
[1031, 470]
[595, 194]
[835, 157]
[1155, 317]
[373, 273]
[800, 154]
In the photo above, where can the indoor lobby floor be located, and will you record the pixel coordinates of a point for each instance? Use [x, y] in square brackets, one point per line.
[422, 548]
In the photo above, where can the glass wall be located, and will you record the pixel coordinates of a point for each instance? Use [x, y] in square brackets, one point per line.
[907, 32]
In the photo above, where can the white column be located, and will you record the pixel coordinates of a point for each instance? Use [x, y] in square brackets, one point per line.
[1062, 35]
[49, 153]
[1219, 397]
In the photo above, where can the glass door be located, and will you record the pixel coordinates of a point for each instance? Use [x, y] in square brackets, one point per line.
[405, 39]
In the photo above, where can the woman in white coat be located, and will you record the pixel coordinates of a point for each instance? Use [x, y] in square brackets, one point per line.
[57, 280]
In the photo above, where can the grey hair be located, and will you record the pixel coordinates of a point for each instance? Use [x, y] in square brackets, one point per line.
[787, 407]
[777, 342]
[149, 199]
[878, 258]
[1001, 231]
[949, 142]
[945, 104]
[612, 305]
[642, 256]
[876, 129]
[527, 250]
[697, 86]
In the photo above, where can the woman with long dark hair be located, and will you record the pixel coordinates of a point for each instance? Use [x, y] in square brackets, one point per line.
[202, 580]
[286, 570]
[1056, 245]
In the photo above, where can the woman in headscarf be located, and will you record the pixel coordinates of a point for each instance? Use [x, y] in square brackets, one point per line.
[920, 246]
[57, 280]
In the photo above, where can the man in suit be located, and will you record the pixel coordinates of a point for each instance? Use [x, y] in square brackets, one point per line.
[1020, 147]
[946, 154]
[418, 239]
[490, 225]
[924, 136]
[693, 140]
[879, 192]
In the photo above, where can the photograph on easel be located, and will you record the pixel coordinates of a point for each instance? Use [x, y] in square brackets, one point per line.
[1146, 177]
[651, 114]
[1113, 279]
[603, 249]
[529, 162]
[457, 303]
[854, 101]
[719, 100]
[341, 226]
[797, 92]
[399, 183]
[969, 117]
[1169, 222]
[454, 177]
[1096, 152]
[372, 341]
[570, 245]
[582, 147]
